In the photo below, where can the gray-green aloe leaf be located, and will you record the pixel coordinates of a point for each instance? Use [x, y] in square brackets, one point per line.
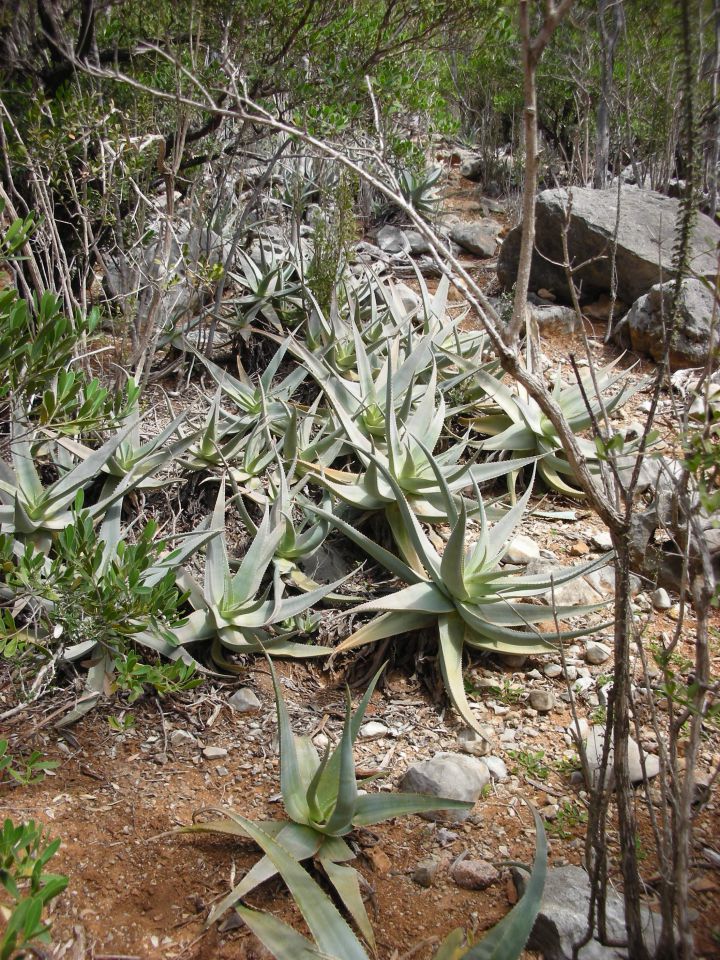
[507, 939]
[516, 425]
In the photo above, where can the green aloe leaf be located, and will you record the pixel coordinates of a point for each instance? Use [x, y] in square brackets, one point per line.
[373, 808]
[451, 639]
[346, 882]
[334, 937]
[507, 939]
[278, 937]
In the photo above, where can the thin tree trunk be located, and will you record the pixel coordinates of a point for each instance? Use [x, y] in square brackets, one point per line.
[608, 42]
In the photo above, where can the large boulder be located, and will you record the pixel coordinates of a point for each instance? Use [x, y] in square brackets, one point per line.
[646, 237]
[644, 326]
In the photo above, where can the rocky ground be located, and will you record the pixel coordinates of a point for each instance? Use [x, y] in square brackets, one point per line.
[140, 889]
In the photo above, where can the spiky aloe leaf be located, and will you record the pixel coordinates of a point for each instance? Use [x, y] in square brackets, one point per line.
[333, 935]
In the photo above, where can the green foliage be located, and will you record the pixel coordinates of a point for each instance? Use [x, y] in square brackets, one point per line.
[569, 817]
[23, 770]
[25, 851]
[532, 762]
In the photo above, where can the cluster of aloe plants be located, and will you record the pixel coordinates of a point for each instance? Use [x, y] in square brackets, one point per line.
[374, 410]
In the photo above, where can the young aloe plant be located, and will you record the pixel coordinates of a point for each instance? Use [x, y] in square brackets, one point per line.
[267, 399]
[334, 939]
[143, 460]
[520, 427]
[30, 509]
[471, 599]
[420, 190]
[270, 287]
[232, 610]
[321, 798]
[229, 443]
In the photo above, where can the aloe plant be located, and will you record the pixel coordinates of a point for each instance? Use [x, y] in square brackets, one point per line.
[143, 460]
[228, 443]
[420, 477]
[34, 511]
[420, 189]
[267, 399]
[270, 287]
[465, 593]
[334, 939]
[321, 798]
[520, 428]
[232, 610]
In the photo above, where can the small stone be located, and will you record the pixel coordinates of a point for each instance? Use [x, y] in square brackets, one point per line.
[418, 243]
[660, 599]
[378, 860]
[425, 872]
[245, 700]
[392, 240]
[474, 874]
[515, 661]
[571, 672]
[522, 550]
[214, 753]
[372, 729]
[497, 767]
[674, 612]
[552, 670]
[596, 653]
[542, 700]
[579, 549]
[602, 541]
[454, 776]
[181, 738]
[321, 741]
[549, 811]
[475, 742]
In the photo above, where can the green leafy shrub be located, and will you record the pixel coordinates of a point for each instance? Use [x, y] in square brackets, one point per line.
[25, 851]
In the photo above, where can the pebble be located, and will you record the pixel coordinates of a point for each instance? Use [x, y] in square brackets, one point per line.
[181, 738]
[516, 661]
[245, 700]
[552, 670]
[522, 550]
[602, 541]
[661, 599]
[425, 872]
[476, 742]
[214, 753]
[579, 549]
[474, 874]
[378, 860]
[373, 728]
[497, 767]
[542, 700]
[596, 653]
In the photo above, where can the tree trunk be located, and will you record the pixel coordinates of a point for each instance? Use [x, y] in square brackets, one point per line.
[608, 42]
